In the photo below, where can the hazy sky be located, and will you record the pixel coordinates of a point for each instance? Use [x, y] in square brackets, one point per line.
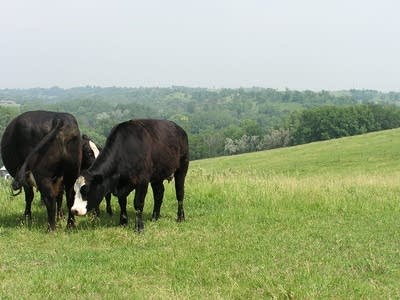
[295, 44]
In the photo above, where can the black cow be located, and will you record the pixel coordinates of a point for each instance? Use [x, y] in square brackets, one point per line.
[42, 149]
[90, 151]
[137, 152]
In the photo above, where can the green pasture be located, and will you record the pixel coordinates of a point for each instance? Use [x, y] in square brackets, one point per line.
[315, 221]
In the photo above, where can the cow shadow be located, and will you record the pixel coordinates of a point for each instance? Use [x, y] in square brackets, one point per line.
[13, 220]
[39, 221]
[91, 222]
[11, 216]
[18, 221]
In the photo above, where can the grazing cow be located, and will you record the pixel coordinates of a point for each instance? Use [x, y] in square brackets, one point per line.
[90, 151]
[137, 152]
[42, 149]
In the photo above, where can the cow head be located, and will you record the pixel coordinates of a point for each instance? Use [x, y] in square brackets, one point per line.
[89, 191]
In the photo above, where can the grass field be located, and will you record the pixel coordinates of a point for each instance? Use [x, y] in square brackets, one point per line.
[313, 221]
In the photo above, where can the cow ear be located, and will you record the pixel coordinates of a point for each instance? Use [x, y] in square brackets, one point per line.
[98, 178]
[84, 190]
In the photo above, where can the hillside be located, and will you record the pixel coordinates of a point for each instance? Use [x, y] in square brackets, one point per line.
[372, 153]
[310, 222]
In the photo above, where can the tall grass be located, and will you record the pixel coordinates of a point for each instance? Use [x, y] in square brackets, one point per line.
[314, 221]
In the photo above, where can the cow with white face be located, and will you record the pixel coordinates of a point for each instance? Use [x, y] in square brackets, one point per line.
[137, 152]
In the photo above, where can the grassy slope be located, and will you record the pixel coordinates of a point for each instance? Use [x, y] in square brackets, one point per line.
[312, 221]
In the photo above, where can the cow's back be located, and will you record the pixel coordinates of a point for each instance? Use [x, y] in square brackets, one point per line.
[169, 142]
[24, 133]
[151, 148]
[20, 138]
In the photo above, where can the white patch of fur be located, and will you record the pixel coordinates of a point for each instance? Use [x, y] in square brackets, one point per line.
[79, 206]
[94, 148]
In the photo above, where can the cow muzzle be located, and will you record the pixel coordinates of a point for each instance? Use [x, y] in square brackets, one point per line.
[79, 210]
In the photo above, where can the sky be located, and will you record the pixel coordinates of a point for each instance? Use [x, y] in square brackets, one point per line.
[299, 45]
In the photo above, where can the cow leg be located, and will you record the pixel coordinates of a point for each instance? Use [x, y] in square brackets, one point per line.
[180, 175]
[108, 204]
[158, 194]
[28, 204]
[123, 219]
[70, 194]
[60, 212]
[51, 206]
[140, 195]
[49, 197]
[97, 211]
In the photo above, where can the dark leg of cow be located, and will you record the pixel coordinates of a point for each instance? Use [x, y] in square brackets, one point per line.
[28, 204]
[51, 212]
[123, 219]
[108, 204]
[140, 195]
[70, 193]
[97, 211]
[180, 189]
[71, 172]
[49, 197]
[60, 212]
[158, 194]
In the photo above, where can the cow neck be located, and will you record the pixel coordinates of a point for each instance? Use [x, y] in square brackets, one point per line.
[104, 164]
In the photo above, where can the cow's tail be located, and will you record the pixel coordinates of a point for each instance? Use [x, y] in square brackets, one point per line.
[20, 179]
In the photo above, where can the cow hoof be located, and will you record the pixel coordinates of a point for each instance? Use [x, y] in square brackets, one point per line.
[180, 218]
[28, 218]
[71, 225]
[155, 217]
[139, 228]
[123, 221]
[60, 215]
[139, 225]
[51, 228]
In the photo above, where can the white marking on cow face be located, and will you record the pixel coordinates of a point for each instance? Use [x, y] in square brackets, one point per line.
[79, 207]
[94, 149]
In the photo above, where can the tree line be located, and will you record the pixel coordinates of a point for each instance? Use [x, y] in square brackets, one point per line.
[329, 122]
[219, 121]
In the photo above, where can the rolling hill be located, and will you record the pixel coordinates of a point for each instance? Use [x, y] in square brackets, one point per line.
[372, 153]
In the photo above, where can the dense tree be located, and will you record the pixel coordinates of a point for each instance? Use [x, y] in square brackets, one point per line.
[216, 120]
[329, 122]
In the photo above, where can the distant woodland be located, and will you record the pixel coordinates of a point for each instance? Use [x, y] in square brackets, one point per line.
[218, 121]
